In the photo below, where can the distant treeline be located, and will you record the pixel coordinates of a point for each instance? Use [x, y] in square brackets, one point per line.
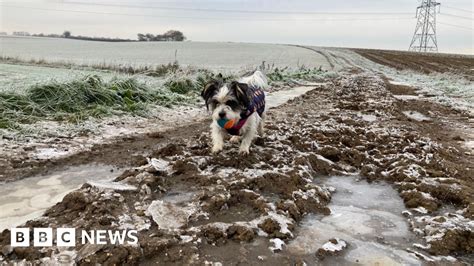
[171, 35]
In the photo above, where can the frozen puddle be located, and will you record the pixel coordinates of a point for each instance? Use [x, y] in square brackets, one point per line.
[278, 98]
[417, 116]
[28, 198]
[367, 118]
[367, 217]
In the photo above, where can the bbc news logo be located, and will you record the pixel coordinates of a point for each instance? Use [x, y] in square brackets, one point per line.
[66, 237]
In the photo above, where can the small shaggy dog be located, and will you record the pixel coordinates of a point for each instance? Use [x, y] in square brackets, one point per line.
[238, 109]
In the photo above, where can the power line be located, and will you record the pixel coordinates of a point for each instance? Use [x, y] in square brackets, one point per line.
[456, 16]
[203, 18]
[242, 11]
[457, 26]
[459, 9]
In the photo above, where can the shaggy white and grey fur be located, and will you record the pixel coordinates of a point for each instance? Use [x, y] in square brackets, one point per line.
[228, 101]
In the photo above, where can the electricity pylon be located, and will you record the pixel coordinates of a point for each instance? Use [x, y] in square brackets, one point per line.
[424, 39]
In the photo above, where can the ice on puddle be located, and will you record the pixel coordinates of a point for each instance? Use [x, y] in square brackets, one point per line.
[361, 214]
[168, 215]
[50, 181]
[28, 198]
[417, 116]
[280, 97]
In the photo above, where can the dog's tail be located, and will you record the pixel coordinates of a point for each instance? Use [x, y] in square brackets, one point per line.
[257, 79]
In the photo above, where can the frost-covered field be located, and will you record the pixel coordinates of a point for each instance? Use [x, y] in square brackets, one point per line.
[17, 78]
[221, 56]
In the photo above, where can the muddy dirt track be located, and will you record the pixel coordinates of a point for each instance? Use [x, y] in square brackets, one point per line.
[191, 207]
[426, 63]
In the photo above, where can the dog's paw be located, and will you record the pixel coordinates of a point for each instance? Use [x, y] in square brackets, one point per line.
[234, 139]
[244, 151]
[216, 149]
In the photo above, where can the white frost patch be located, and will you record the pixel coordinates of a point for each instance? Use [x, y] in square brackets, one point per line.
[277, 244]
[133, 222]
[414, 115]
[406, 97]
[399, 83]
[254, 173]
[111, 185]
[340, 245]
[51, 153]
[186, 238]
[322, 158]
[469, 144]
[421, 210]
[64, 257]
[159, 164]
[283, 221]
[226, 172]
[168, 215]
[414, 170]
[367, 118]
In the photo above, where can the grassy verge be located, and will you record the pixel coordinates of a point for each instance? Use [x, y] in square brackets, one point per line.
[279, 75]
[84, 98]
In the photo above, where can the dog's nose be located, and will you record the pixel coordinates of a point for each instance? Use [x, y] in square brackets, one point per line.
[222, 114]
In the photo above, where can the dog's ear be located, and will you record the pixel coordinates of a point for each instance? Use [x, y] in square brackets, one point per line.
[241, 91]
[209, 91]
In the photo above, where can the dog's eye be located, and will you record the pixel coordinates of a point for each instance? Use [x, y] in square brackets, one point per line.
[232, 103]
[214, 103]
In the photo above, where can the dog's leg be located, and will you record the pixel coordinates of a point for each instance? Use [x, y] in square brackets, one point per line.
[249, 134]
[217, 138]
[261, 126]
[235, 139]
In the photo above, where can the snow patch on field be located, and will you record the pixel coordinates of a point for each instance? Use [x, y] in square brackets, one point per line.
[213, 55]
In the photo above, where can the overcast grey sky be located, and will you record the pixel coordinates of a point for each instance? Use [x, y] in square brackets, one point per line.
[285, 22]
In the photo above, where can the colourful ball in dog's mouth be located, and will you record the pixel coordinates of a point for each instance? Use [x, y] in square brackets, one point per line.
[226, 123]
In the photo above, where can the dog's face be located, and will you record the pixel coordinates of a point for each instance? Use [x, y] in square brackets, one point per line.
[226, 101]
